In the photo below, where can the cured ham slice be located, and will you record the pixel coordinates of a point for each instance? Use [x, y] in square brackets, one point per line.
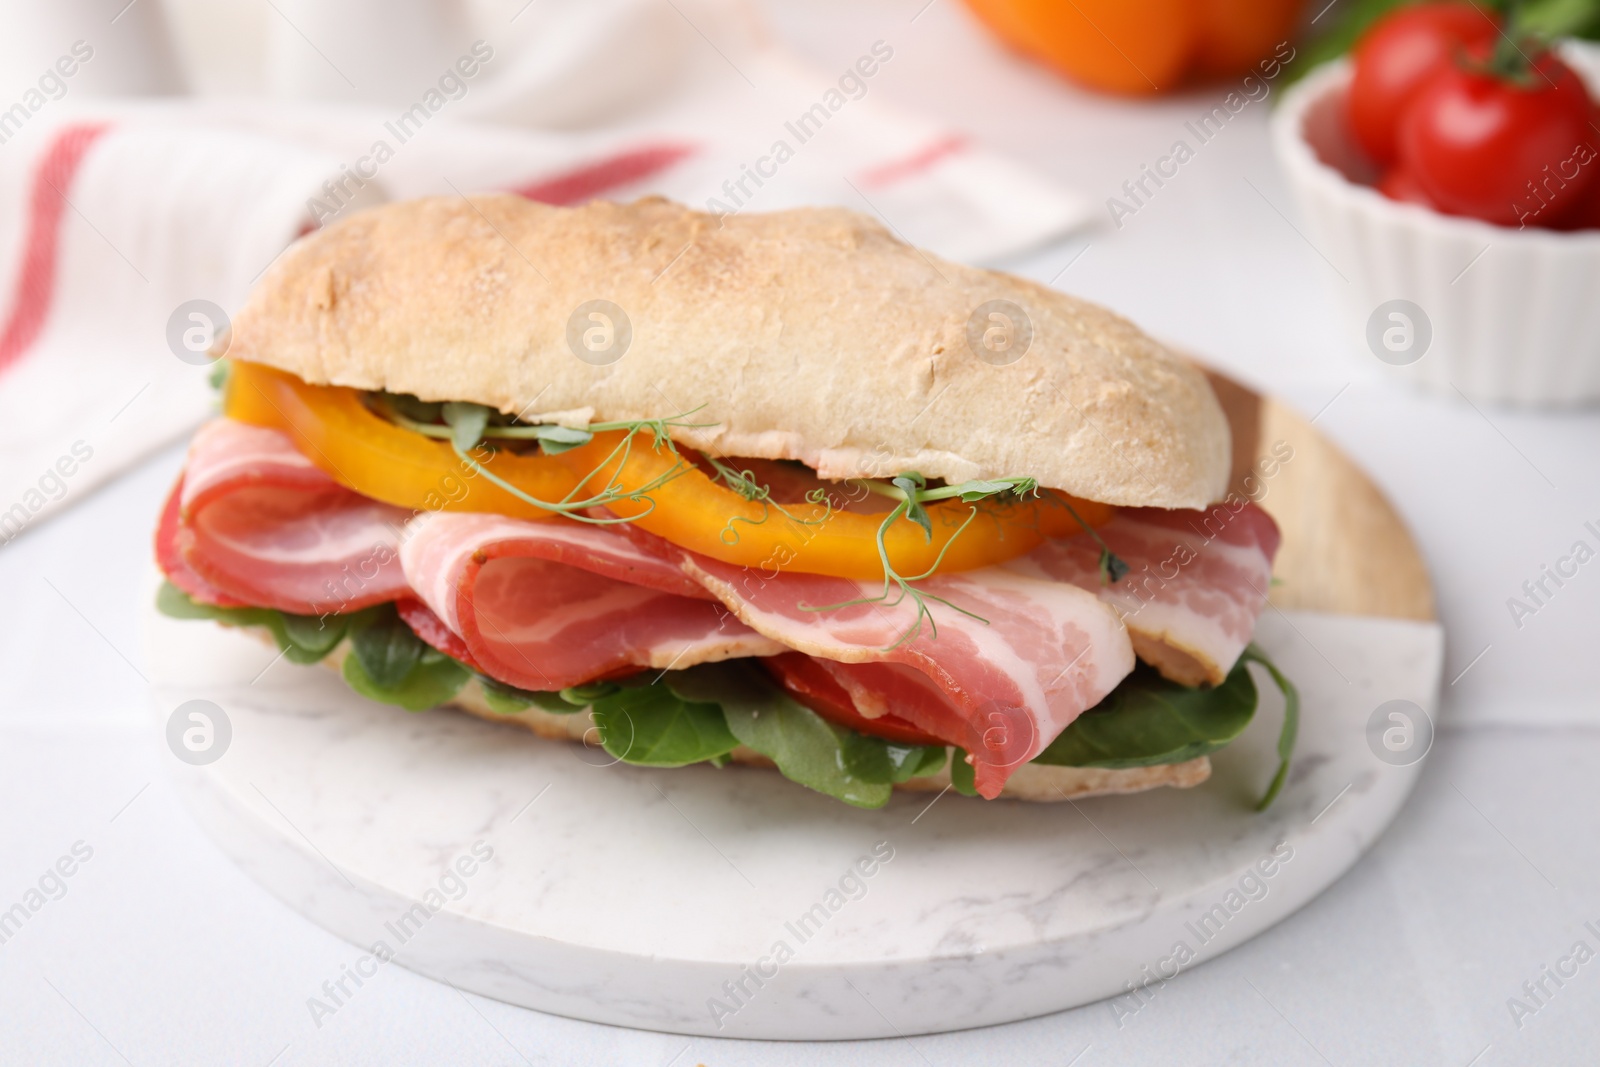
[1002, 685]
[547, 605]
[1198, 582]
[260, 524]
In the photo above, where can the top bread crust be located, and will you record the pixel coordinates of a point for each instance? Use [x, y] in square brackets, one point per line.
[811, 334]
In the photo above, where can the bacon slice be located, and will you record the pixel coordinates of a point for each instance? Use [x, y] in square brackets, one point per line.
[428, 626]
[1197, 584]
[1001, 685]
[546, 605]
[260, 524]
[170, 536]
[226, 455]
[1021, 649]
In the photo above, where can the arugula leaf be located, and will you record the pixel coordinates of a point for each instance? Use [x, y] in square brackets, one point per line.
[387, 648]
[962, 773]
[506, 699]
[391, 664]
[703, 713]
[1291, 721]
[432, 681]
[1148, 720]
[312, 634]
[301, 638]
[175, 603]
[808, 749]
[581, 696]
[812, 751]
[467, 422]
[652, 726]
[914, 761]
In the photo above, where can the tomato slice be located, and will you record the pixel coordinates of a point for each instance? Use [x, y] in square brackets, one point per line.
[812, 686]
[657, 487]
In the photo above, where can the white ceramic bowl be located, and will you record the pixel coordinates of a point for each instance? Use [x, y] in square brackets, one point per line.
[1503, 315]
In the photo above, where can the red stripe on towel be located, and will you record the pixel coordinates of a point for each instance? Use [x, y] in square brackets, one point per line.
[582, 184]
[35, 286]
[919, 161]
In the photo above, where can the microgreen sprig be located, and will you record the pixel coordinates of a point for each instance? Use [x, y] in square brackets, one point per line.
[472, 427]
[744, 483]
[1113, 568]
[468, 426]
[911, 493]
[423, 417]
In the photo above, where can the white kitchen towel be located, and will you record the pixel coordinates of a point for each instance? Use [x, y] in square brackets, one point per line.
[112, 231]
[117, 216]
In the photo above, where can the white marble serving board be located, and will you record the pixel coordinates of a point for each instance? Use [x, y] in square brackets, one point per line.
[646, 898]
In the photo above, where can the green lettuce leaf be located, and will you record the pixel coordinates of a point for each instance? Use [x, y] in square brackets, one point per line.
[301, 638]
[387, 648]
[433, 680]
[1148, 720]
[808, 749]
[506, 699]
[914, 761]
[703, 713]
[961, 773]
[391, 664]
[655, 727]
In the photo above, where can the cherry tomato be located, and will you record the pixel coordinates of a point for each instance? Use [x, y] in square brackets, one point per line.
[1400, 184]
[1586, 216]
[1507, 151]
[1397, 56]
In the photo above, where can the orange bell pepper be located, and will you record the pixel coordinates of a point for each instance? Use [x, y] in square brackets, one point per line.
[334, 429]
[695, 512]
[1142, 47]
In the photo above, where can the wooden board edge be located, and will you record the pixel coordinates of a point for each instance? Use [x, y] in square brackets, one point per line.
[1345, 549]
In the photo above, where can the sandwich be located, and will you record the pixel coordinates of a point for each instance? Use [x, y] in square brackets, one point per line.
[777, 490]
